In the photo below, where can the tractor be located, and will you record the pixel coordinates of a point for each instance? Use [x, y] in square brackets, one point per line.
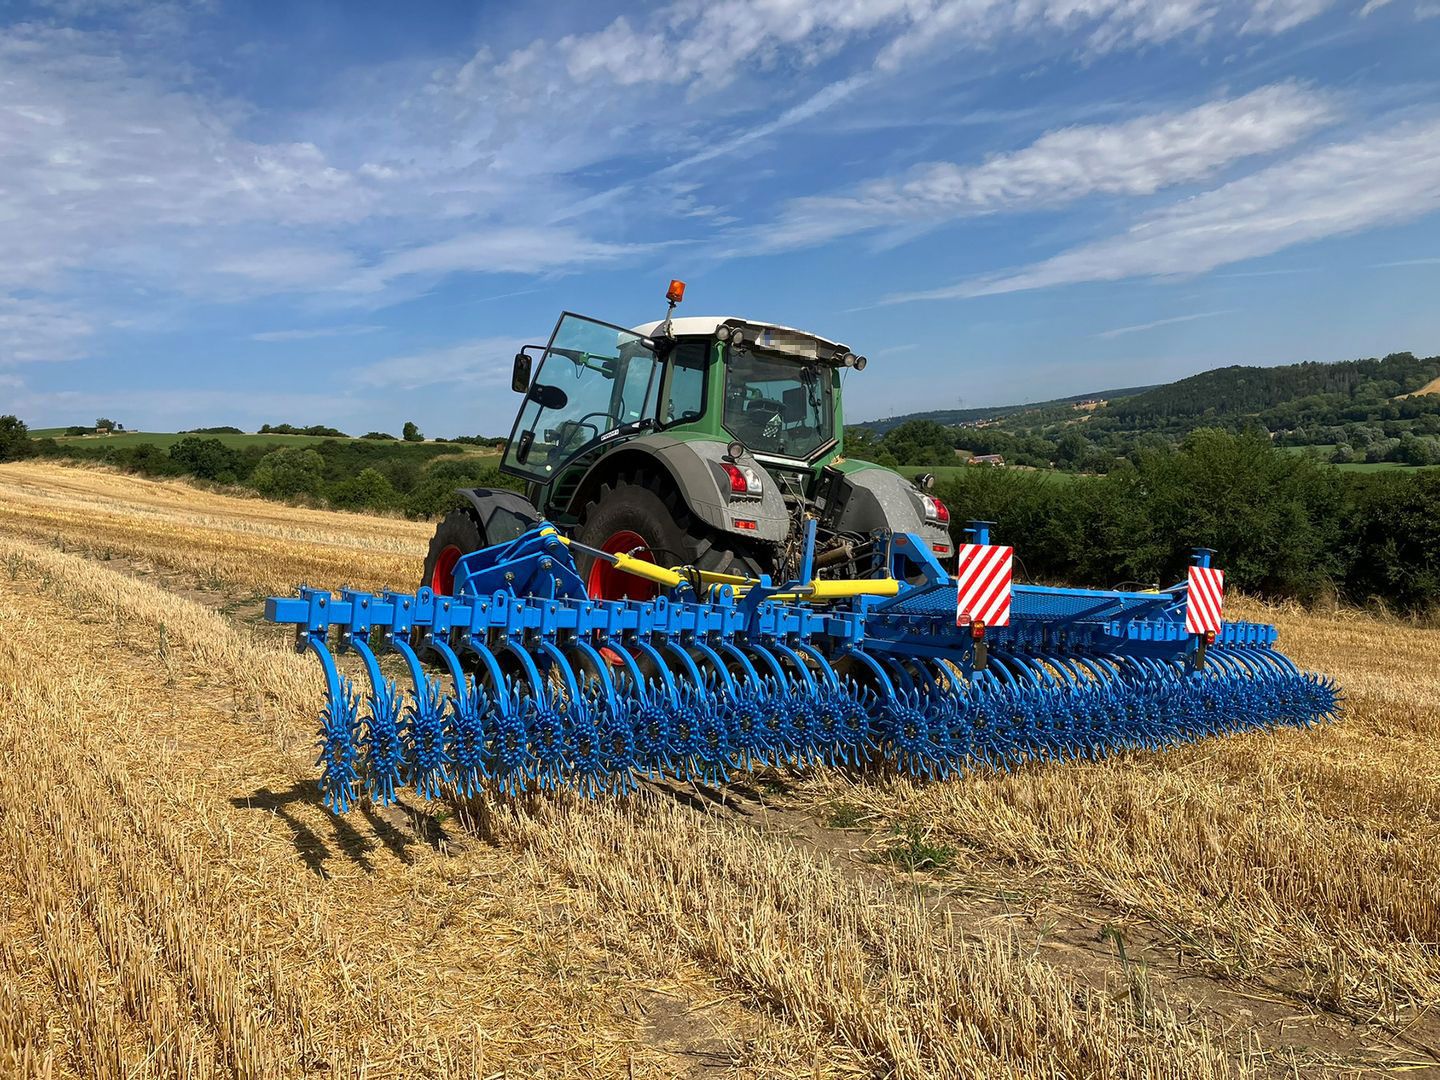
[704, 442]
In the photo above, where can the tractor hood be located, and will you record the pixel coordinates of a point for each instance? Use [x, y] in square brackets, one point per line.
[760, 336]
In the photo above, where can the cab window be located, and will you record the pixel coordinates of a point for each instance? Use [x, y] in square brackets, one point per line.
[685, 390]
[778, 406]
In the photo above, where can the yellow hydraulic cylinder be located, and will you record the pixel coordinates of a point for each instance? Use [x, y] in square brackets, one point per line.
[817, 590]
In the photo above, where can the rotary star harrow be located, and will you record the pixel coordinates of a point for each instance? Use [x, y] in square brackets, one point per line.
[541, 686]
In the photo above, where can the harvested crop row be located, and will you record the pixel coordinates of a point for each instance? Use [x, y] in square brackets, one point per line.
[211, 558]
[1099, 1035]
[400, 959]
[99, 488]
[864, 962]
[145, 1004]
[213, 539]
[1306, 857]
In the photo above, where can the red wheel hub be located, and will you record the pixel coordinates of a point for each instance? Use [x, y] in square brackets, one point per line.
[607, 583]
[442, 579]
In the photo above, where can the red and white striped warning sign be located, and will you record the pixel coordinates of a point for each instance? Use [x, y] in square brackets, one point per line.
[983, 571]
[1206, 596]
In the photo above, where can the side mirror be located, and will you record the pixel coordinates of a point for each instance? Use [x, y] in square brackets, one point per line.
[549, 397]
[520, 373]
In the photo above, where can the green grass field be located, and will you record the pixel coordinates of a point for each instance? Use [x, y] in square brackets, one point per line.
[167, 439]
[1384, 466]
[949, 472]
[1322, 453]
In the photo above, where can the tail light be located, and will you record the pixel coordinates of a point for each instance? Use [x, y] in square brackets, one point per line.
[743, 479]
[977, 631]
[935, 510]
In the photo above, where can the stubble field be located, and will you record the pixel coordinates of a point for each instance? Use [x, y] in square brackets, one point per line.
[175, 902]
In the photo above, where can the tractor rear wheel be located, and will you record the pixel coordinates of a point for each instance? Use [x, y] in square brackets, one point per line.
[457, 534]
[647, 519]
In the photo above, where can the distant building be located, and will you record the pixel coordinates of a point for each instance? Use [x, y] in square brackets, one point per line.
[988, 459]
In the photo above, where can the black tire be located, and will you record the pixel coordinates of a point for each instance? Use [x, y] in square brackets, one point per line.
[653, 510]
[458, 531]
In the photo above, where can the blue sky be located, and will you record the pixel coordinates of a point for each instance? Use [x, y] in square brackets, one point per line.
[351, 214]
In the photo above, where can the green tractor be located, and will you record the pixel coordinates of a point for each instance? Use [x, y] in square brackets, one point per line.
[699, 442]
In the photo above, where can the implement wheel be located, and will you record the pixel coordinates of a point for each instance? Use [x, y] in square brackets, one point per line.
[457, 534]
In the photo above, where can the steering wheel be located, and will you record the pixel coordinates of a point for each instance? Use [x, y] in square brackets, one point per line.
[573, 429]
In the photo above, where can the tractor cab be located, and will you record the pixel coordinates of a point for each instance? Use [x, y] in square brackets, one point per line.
[772, 390]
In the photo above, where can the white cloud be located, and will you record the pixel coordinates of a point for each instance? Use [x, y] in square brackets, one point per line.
[95, 153]
[1104, 25]
[1136, 157]
[33, 331]
[1379, 179]
[172, 408]
[316, 332]
[826, 98]
[516, 249]
[1121, 331]
[1277, 16]
[1408, 262]
[286, 267]
[484, 362]
[116, 169]
[706, 45]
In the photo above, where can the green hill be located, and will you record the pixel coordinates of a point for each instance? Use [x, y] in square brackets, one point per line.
[1367, 412]
[1280, 397]
[951, 417]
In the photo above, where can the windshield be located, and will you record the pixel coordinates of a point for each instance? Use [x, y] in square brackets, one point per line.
[593, 379]
[777, 406]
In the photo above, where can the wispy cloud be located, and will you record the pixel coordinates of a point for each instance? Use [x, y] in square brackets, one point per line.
[35, 330]
[1104, 26]
[514, 249]
[1384, 178]
[1279, 272]
[483, 362]
[827, 98]
[1408, 262]
[316, 332]
[165, 409]
[1135, 158]
[1121, 331]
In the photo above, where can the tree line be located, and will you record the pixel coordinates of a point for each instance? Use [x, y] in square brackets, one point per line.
[417, 479]
[1281, 524]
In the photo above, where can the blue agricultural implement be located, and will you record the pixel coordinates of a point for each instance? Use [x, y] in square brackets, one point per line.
[543, 686]
[809, 617]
